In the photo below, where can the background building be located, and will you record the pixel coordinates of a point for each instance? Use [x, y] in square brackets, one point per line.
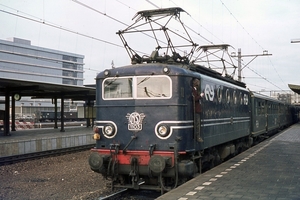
[20, 60]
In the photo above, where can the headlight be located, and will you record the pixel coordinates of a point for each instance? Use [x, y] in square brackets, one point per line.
[109, 131]
[106, 72]
[163, 132]
[166, 70]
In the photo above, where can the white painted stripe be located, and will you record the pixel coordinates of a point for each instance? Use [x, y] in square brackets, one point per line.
[191, 193]
[199, 188]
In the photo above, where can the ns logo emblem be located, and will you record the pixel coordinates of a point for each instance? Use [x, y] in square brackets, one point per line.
[209, 92]
[135, 121]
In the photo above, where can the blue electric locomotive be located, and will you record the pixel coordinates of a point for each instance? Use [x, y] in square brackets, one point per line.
[145, 130]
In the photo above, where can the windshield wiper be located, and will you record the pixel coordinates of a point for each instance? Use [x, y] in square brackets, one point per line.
[113, 80]
[145, 79]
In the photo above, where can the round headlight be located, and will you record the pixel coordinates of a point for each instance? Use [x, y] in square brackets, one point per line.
[108, 130]
[106, 73]
[166, 70]
[163, 131]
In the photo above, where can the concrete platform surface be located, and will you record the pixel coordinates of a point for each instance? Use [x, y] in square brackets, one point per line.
[269, 170]
[36, 140]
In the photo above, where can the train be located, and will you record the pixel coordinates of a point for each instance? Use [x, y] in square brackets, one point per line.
[49, 116]
[156, 129]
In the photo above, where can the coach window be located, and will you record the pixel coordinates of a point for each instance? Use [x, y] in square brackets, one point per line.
[263, 109]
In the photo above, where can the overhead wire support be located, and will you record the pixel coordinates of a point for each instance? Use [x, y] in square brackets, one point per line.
[239, 56]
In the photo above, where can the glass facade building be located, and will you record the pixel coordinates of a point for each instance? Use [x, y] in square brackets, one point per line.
[21, 61]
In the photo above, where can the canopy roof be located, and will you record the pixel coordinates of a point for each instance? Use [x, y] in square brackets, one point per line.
[295, 88]
[46, 90]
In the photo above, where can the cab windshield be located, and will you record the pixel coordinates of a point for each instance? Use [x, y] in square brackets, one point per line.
[137, 87]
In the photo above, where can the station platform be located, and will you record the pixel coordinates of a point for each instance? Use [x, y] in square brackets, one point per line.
[269, 170]
[37, 140]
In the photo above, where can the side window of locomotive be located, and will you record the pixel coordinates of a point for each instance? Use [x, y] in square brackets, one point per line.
[241, 98]
[246, 99]
[234, 97]
[219, 94]
[117, 88]
[153, 87]
[228, 96]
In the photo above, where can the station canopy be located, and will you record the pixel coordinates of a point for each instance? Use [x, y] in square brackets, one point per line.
[40, 90]
[295, 88]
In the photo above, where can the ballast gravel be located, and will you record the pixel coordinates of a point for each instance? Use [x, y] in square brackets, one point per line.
[61, 177]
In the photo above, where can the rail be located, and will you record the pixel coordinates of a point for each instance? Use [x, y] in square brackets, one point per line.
[31, 156]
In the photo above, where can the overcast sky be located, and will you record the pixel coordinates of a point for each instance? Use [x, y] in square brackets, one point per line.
[253, 26]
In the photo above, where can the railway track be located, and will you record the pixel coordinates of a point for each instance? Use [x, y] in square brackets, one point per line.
[31, 156]
[128, 194]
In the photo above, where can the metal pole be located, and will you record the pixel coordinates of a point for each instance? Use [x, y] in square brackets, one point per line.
[13, 114]
[62, 118]
[239, 65]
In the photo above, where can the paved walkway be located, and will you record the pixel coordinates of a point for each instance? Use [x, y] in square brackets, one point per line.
[269, 170]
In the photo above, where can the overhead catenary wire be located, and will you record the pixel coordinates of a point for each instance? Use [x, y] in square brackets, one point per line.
[44, 22]
[121, 46]
[259, 46]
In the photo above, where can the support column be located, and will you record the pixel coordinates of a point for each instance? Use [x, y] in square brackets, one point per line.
[6, 115]
[55, 113]
[62, 118]
[13, 114]
[88, 119]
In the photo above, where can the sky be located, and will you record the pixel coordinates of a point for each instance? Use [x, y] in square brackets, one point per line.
[89, 28]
